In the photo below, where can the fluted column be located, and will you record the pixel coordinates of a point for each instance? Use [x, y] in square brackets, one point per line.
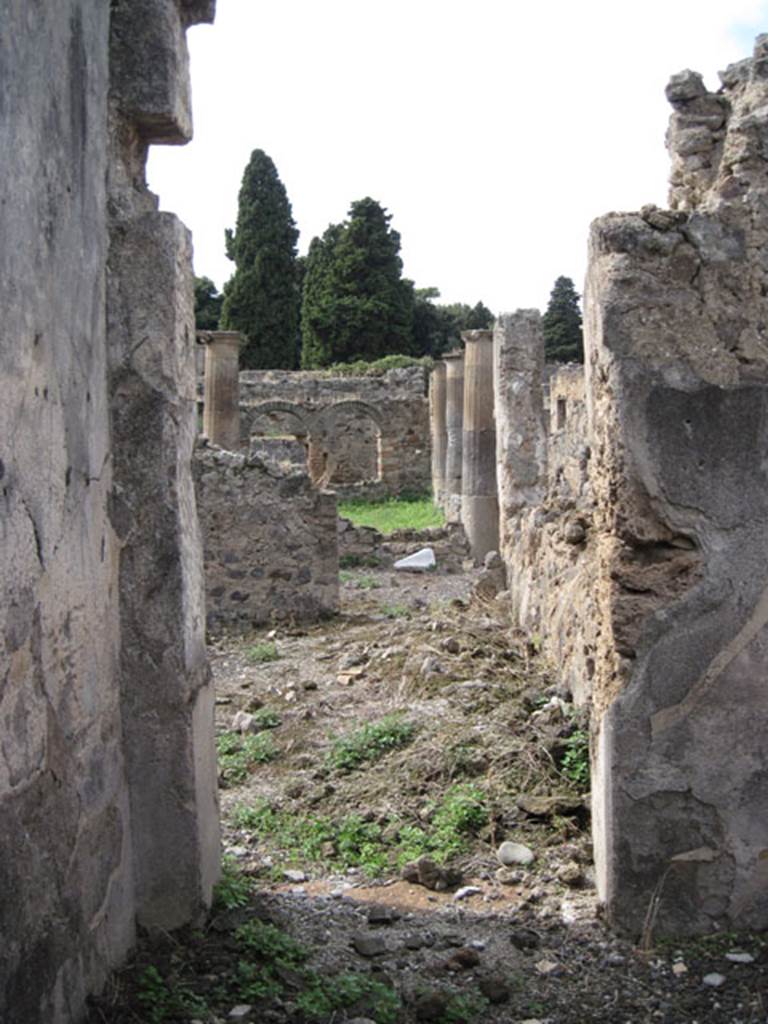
[479, 502]
[454, 419]
[438, 432]
[221, 408]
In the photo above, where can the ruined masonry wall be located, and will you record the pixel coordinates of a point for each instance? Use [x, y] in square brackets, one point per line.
[347, 439]
[271, 550]
[93, 461]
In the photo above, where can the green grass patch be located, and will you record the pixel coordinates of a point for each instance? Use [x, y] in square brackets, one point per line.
[239, 755]
[393, 514]
[260, 653]
[370, 743]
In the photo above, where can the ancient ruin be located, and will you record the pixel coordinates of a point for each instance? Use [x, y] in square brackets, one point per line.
[108, 804]
[628, 500]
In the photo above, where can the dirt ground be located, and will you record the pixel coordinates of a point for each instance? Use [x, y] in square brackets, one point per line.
[485, 749]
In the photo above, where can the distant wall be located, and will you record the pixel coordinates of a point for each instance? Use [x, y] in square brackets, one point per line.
[364, 436]
[270, 543]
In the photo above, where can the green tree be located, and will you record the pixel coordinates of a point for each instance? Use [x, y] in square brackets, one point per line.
[437, 328]
[207, 304]
[261, 299]
[356, 303]
[561, 324]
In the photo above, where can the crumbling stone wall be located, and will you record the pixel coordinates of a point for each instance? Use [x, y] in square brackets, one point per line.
[364, 436]
[107, 766]
[643, 557]
[271, 550]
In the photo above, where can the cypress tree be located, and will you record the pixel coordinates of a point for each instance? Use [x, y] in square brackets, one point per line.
[356, 304]
[207, 304]
[261, 299]
[561, 324]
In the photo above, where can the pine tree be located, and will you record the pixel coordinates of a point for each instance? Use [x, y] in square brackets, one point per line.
[356, 304]
[561, 324]
[261, 299]
[437, 328]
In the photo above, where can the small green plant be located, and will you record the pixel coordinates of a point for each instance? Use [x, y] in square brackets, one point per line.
[358, 844]
[353, 561]
[367, 583]
[238, 755]
[323, 996]
[233, 888]
[259, 654]
[370, 743]
[161, 1002]
[463, 1009]
[575, 762]
[395, 611]
[271, 945]
[266, 718]
[345, 576]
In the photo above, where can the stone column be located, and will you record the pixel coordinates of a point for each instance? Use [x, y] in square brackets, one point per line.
[521, 433]
[454, 420]
[221, 404]
[438, 434]
[479, 503]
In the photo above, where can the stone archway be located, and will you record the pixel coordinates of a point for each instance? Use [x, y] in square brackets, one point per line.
[354, 443]
[277, 432]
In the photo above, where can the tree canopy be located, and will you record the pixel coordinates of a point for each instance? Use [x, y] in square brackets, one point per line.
[355, 303]
[561, 324]
[437, 328]
[261, 299]
[207, 304]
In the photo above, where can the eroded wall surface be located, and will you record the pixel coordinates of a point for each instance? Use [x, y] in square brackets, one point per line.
[678, 369]
[270, 542]
[75, 861]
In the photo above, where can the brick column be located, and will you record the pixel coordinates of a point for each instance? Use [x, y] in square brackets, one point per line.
[454, 419]
[479, 502]
[221, 409]
[438, 433]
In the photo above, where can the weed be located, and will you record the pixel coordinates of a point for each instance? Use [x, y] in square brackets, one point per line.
[266, 718]
[323, 996]
[575, 761]
[395, 611]
[238, 755]
[370, 743]
[393, 514]
[254, 982]
[345, 576]
[353, 561]
[262, 652]
[161, 1003]
[367, 583]
[358, 844]
[462, 1009]
[267, 942]
[460, 813]
[233, 888]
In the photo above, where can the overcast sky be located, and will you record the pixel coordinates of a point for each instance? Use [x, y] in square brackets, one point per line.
[493, 131]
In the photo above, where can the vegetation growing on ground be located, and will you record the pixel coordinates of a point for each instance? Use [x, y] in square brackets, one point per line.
[261, 299]
[370, 742]
[239, 755]
[393, 514]
[264, 651]
[561, 324]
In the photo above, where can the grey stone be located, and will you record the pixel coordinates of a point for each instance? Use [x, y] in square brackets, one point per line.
[419, 561]
[515, 853]
[369, 945]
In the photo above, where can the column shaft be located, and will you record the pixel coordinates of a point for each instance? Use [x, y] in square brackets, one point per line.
[454, 420]
[439, 436]
[479, 502]
[221, 410]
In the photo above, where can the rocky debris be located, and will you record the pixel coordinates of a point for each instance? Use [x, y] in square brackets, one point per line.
[369, 945]
[466, 891]
[463, 959]
[495, 989]
[544, 806]
[714, 980]
[424, 871]
[380, 914]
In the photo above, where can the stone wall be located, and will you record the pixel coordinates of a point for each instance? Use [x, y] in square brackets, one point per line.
[365, 436]
[271, 551]
[634, 537]
[107, 774]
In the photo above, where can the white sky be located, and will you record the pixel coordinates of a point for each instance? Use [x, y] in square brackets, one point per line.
[493, 132]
